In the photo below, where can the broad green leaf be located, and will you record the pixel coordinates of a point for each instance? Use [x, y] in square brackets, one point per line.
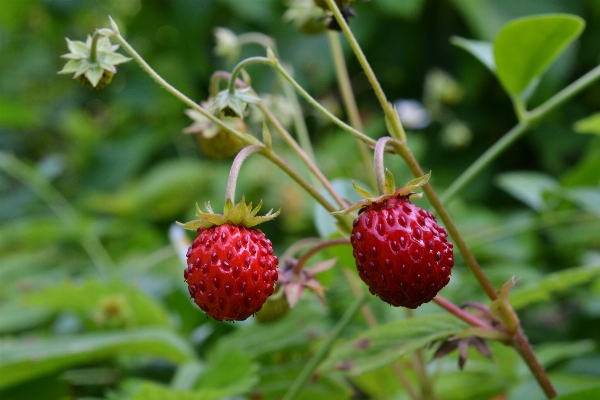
[526, 47]
[14, 317]
[481, 50]
[290, 332]
[153, 391]
[589, 124]
[384, 344]
[105, 304]
[586, 198]
[584, 394]
[232, 370]
[559, 282]
[28, 358]
[529, 187]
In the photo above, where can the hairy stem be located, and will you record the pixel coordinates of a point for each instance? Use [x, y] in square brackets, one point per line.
[243, 64]
[323, 349]
[246, 138]
[379, 164]
[356, 133]
[521, 344]
[348, 99]
[235, 169]
[306, 159]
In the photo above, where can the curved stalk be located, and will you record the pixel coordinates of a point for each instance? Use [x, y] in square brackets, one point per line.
[235, 169]
[379, 164]
[243, 64]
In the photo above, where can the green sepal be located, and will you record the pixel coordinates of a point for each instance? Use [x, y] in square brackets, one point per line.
[236, 102]
[236, 214]
[414, 184]
[362, 192]
[390, 185]
[368, 198]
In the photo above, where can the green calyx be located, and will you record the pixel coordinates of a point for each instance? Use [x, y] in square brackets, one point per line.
[238, 214]
[390, 191]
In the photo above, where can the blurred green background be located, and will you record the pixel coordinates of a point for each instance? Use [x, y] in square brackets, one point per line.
[91, 181]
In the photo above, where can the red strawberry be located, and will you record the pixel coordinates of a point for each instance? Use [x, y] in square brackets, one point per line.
[401, 253]
[231, 269]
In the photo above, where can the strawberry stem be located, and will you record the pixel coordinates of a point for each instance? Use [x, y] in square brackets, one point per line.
[240, 66]
[235, 169]
[379, 164]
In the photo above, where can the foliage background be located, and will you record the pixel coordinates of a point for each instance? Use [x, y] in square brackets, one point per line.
[91, 181]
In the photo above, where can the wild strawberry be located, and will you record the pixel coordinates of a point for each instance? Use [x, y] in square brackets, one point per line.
[401, 253]
[231, 269]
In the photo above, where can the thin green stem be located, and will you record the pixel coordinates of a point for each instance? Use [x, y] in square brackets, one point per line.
[246, 138]
[410, 160]
[530, 119]
[486, 159]
[565, 95]
[348, 99]
[358, 53]
[275, 159]
[93, 49]
[314, 169]
[317, 248]
[322, 109]
[323, 349]
[379, 164]
[243, 64]
[299, 124]
[235, 169]
[391, 116]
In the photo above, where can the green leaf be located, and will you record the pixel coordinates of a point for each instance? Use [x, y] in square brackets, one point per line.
[481, 50]
[529, 187]
[584, 394]
[543, 289]
[133, 307]
[384, 344]
[586, 198]
[526, 47]
[14, 317]
[29, 358]
[153, 391]
[409, 9]
[589, 124]
[230, 369]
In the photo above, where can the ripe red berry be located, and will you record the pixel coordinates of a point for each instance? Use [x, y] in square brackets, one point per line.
[231, 270]
[400, 251]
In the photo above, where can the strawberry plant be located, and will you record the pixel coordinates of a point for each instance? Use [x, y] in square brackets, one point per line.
[411, 256]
